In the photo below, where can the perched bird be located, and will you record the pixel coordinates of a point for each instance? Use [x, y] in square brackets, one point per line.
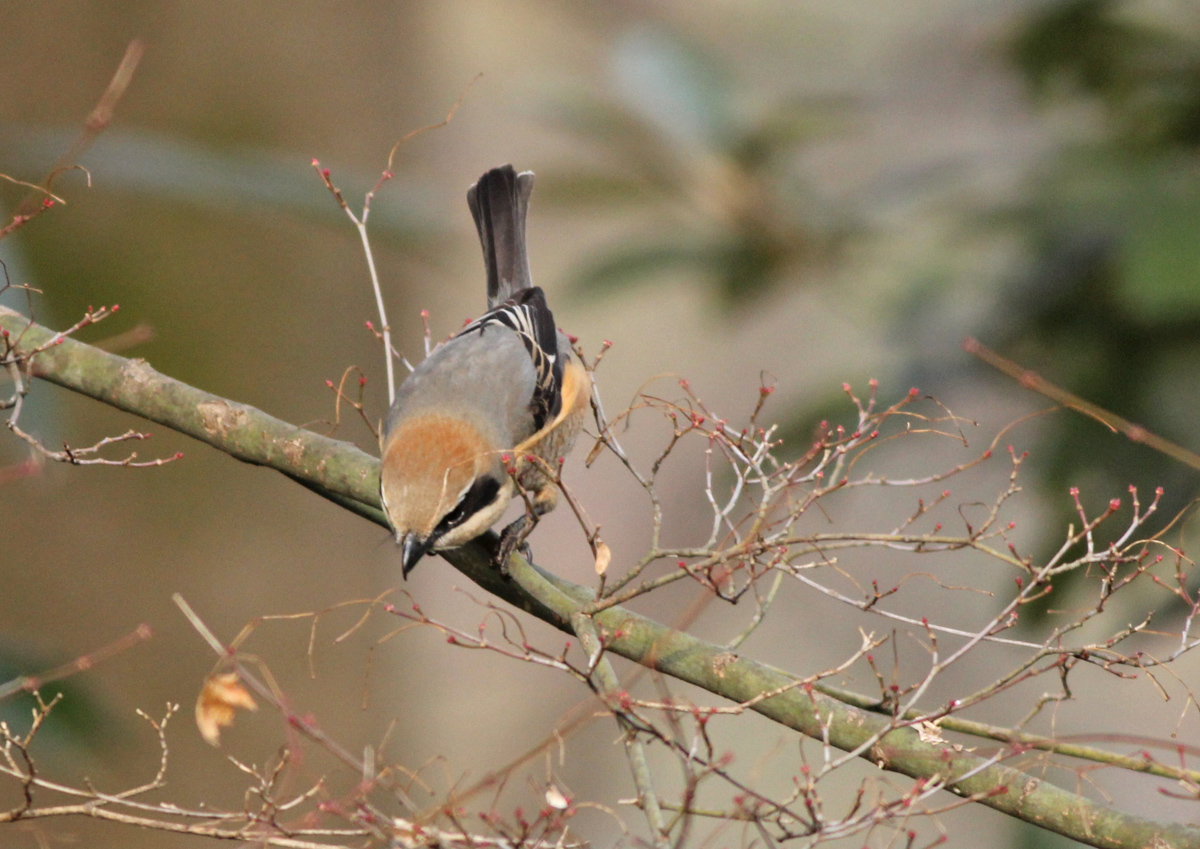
[504, 388]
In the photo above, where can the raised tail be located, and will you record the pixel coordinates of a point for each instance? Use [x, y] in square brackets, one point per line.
[499, 201]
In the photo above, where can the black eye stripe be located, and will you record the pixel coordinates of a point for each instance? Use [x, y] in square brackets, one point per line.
[482, 493]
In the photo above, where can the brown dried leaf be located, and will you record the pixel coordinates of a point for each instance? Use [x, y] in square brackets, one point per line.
[929, 732]
[219, 700]
[594, 453]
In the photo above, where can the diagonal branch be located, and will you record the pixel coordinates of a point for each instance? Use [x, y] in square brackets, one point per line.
[349, 477]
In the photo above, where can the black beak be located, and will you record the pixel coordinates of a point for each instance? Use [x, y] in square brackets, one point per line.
[412, 549]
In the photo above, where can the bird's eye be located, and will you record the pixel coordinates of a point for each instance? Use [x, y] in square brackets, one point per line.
[480, 494]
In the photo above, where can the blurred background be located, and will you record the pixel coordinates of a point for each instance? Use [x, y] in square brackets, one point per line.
[799, 192]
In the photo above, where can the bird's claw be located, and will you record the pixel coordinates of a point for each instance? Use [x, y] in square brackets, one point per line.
[512, 538]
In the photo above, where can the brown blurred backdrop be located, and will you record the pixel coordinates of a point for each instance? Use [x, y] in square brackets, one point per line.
[821, 192]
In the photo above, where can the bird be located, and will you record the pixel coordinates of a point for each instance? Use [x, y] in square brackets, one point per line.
[460, 440]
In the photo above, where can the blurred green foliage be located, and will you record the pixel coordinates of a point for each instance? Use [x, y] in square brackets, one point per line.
[1108, 305]
[71, 725]
[732, 202]
[1141, 65]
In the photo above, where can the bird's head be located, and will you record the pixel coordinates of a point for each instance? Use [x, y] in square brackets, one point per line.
[441, 483]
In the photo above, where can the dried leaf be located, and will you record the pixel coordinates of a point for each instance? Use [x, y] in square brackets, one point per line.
[219, 700]
[594, 453]
[603, 557]
[930, 733]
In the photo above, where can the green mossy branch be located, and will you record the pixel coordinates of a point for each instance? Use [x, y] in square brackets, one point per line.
[350, 477]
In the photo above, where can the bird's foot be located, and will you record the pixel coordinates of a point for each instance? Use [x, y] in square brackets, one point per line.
[512, 538]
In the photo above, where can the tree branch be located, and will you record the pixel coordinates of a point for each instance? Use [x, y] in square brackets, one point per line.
[350, 478]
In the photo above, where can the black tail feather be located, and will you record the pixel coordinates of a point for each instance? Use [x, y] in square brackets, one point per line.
[499, 202]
